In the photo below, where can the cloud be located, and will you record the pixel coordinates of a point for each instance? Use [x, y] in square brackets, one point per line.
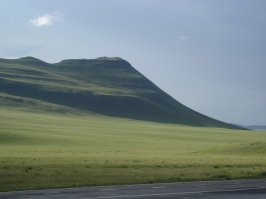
[47, 19]
[183, 37]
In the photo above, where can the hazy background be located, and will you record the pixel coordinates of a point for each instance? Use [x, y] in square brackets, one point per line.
[209, 55]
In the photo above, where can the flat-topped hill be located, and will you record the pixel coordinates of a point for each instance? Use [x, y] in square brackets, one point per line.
[107, 86]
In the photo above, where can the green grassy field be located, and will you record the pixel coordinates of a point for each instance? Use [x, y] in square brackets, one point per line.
[52, 149]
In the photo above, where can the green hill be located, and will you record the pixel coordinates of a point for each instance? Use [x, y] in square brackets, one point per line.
[106, 86]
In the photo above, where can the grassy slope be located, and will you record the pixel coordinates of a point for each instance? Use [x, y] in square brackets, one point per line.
[46, 143]
[41, 149]
[104, 86]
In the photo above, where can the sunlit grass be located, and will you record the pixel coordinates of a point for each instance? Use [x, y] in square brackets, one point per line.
[46, 150]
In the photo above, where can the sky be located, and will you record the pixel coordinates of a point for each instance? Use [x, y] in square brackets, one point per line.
[209, 55]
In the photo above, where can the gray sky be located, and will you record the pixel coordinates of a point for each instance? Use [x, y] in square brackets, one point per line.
[209, 55]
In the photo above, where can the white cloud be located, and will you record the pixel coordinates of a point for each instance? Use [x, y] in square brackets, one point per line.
[47, 19]
[183, 37]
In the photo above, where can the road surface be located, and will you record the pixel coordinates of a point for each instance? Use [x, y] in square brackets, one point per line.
[230, 189]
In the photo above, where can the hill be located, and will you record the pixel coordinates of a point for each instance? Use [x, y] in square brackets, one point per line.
[256, 127]
[106, 86]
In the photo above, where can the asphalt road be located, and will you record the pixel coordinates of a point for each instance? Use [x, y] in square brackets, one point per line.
[231, 189]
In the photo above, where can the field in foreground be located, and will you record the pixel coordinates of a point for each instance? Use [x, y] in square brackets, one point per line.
[48, 150]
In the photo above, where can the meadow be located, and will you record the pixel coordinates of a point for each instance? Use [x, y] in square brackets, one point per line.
[41, 149]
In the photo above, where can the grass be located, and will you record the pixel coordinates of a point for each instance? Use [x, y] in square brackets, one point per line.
[52, 149]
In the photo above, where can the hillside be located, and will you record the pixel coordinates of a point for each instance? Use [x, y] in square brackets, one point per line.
[256, 127]
[106, 86]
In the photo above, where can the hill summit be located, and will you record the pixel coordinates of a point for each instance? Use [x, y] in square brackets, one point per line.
[106, 86]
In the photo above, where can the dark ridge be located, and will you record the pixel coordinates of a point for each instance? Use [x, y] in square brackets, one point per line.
[107, 86]
[82, 62]
[32, 61]
[109, 58]
[25, 60]
[29, 58]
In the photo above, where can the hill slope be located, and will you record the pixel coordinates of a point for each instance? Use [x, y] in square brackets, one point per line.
[107, 86]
